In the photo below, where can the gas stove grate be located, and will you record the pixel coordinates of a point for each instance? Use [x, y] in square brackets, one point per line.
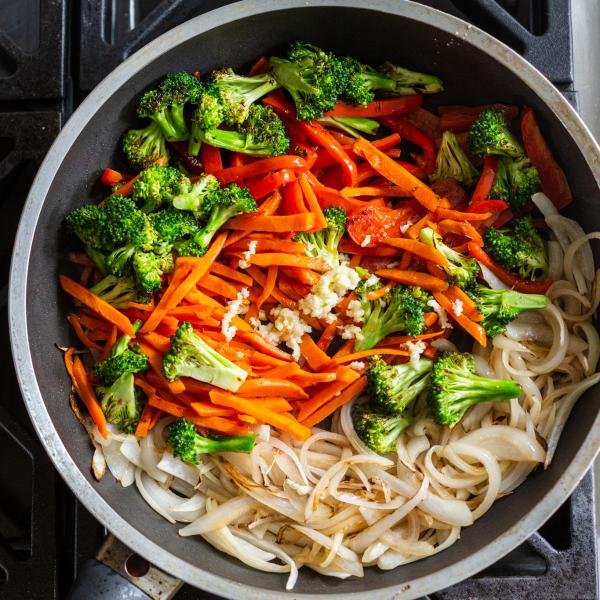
[45, 534]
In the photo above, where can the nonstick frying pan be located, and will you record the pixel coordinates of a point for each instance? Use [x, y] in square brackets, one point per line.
[476, 69]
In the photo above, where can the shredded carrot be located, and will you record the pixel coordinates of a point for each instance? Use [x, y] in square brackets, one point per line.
[285, 224]
[146, 419]
[461, 228]
[229, 273]
[270, 282]
[155, 360]
[261, 279]
[83, 338]
[476, 331]
[383, 190]
[221, 425]
[289, 260]
[314, 355]
[415, 229]
[313, 204]
[418, 249]
[267, 245]
[381, 292]
[110, 342]
[424, 280]
[448, 213]
[171, 408]
[327, 336]
[218, 286]
[259, 388]
[468, 305]
[365, 353]
[97, 305]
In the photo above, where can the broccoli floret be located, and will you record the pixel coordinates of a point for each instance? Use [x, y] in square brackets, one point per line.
[313, 78]
[408, 83]
[147, 268]
[490, 134]
[520, 250]
[500, 307]
[145, 146]
[118, 262]
[452, 162]
[118, 395]
[158, 185]
[187, 443]
[515, 182]
[172, 224]
[461, 269]
[165, 105]
[191, 356]
[401, 310]
[354, 126]
[324, 243]
[127, 224]
[119, 291]
[377, 430]
[238, 93]
[455, 387]
[261, 134]
[204, 189]
[393, 387]
[363, 81]
[208, 114]
[216, 209]
[89, 223]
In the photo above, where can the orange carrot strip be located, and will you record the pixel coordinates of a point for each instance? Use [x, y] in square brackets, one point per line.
[258, 342]
[382, 190]
[268, 245]
[314, 355]
[148, 389]
[285, 224]
[179, 292]
[83, 338]
[381, 292]
[274, 403]
[413, 231]
[456, 215]
[418, 249]
[110, 342]
[327, 336]
[305, 276]
[142, 307]
[398, 340]
[248, 419]
[216, 285]
[157, 341]
[261, 278]
[476, 331]
[353, 390]
[171, 408]
[97, 305]
[145, 423]
[200, 311]
[79, 258]
[221, 425]
[207, 409]
[280, 259]
[264, 387]
[85, 390]
[461, 228]
[397, 174]
[229, 273]
[424, 280]
[306, 379]
[469, 306]
[262, 414]
[313, 204]
[364, 353]
[269, 286]
[155, 360]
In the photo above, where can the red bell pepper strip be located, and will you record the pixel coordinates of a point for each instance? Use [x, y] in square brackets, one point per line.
[261, 186]
[552, 177]
[488, 206]
[413, 134]
[460, 118]
[378, 108]
[111, 177]
[211, 159]
[486, 180]
[317, 134]
[510, 279]
[265, 165]
[260, 66]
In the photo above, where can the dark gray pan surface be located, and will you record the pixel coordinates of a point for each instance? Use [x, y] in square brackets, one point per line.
[90, 142]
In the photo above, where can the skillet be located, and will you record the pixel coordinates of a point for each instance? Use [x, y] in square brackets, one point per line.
[476, 69]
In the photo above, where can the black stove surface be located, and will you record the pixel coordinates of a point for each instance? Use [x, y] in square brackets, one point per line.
[52, 53]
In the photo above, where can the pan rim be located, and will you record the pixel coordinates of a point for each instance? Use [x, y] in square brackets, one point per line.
[36, 406]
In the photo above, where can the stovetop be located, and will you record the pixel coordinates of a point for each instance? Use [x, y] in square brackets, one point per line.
[52, 53]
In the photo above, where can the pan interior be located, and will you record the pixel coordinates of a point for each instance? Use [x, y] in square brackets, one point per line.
[470, 76]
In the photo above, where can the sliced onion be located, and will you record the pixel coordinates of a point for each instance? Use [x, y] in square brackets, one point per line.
[220, 517]
[349, 431]
[142, 480]
[556, 260]
[491, 278]
[149, 458]
[176, 467]
[544, 204]
[130, 449]
[98, 463]
[118, 465]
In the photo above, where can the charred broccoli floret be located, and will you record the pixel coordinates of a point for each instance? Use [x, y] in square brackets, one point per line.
[205, 189]
[377, 430]
[461, 269]
[354, 126]
[490, 134]
[452, 162]
[400, 310]
[324, 243]
[119, 291]
[145, 146]
[515, 182]
[363, 81]
[408, 83]
[172, 225]
[393, 387]
[520, 249]
[455, 387]
[191, 356]
[500, 307]
[187, 443]
[158, 185]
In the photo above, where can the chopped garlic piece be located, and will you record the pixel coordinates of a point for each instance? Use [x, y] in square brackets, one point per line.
[244, 263]
[357, 365]
[415, 349]
[234, 308]
[441, 313]
[355, 311]
[350, 332]
[458, 307]
[366, 241]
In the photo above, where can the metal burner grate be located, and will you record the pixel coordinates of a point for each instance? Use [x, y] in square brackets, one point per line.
[45, 534]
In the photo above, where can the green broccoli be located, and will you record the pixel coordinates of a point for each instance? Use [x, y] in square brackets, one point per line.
[158, 185]
[500, 307]
[324, 243]
[216, 210]
[89, 223]
[400, 310]
[408, 83]
[313, 78]
[377, 430]
[515, 182]
[261, 134]
[148, 269]
[165, 105]
[362, 82]
[145, 146]
[172, 224]
[462, 270]
[452, 162]
[455, 387]
[393, 387]
[127, 224]
[119, 291]
[490, 134]
[204, 189]
[187, 443]
[354, 126]
[208, 114]
[191, 356]
[520, 249]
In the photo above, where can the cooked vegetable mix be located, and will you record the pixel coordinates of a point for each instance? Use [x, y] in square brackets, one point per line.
[278, 296]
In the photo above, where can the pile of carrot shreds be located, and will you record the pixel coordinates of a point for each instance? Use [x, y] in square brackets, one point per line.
[387, 202]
